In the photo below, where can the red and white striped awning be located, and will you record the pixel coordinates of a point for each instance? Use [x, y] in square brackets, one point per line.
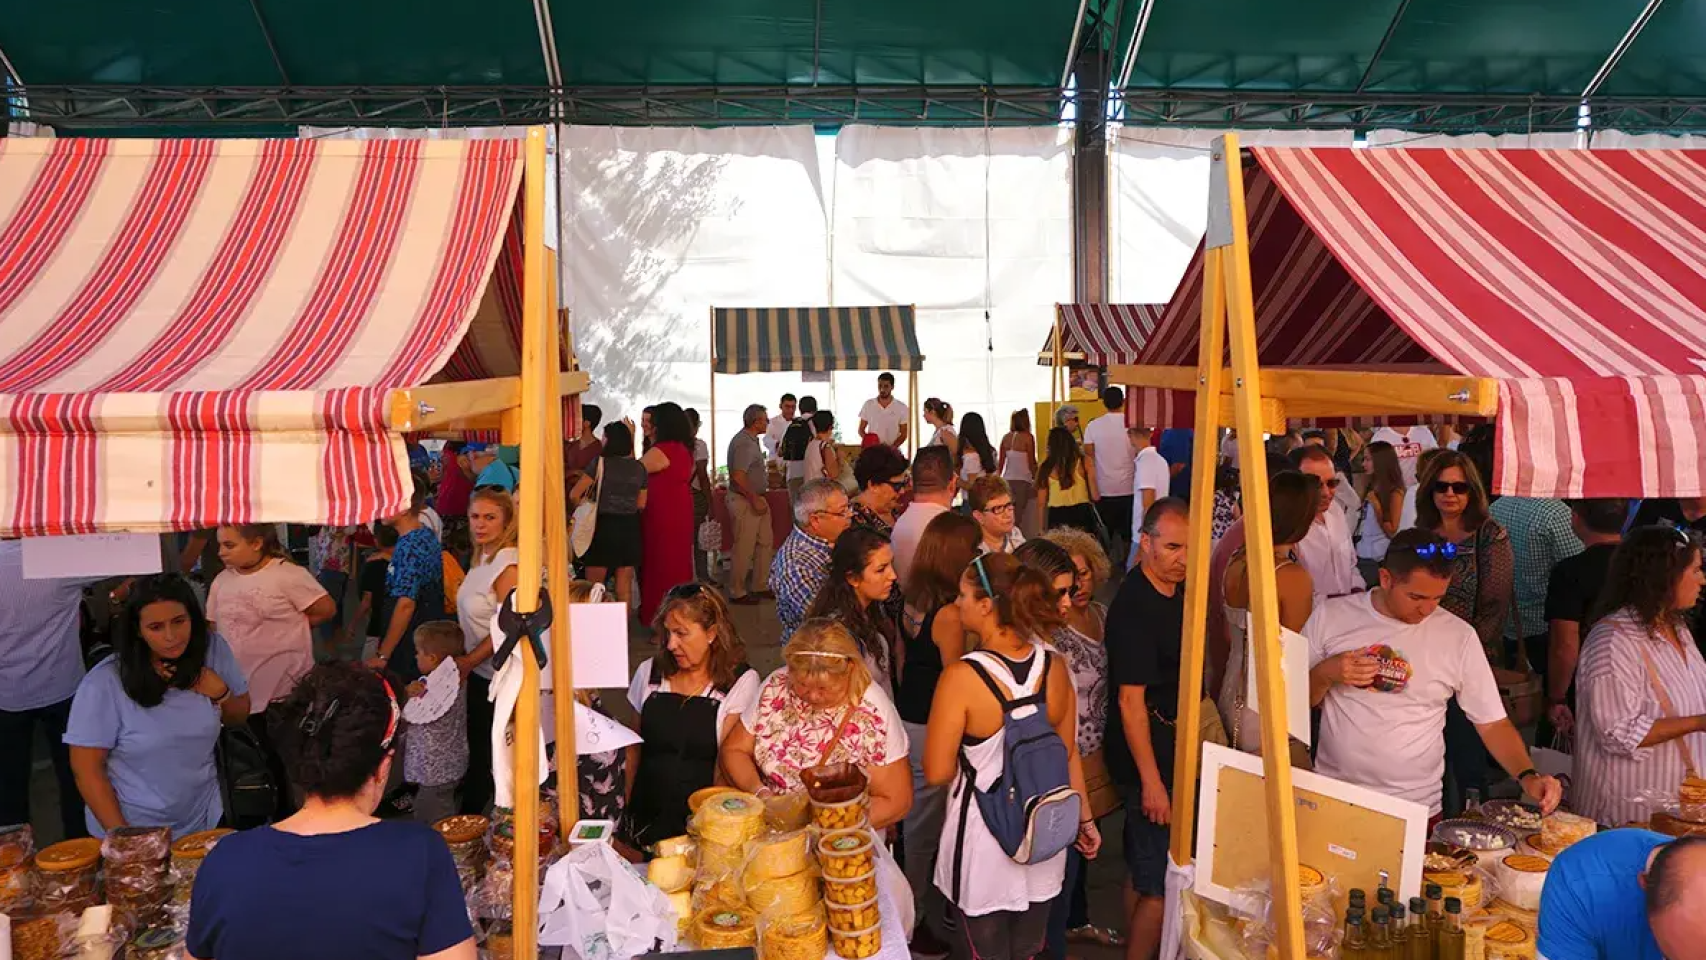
[1577, 278]
[204, 331]
[1102, 334]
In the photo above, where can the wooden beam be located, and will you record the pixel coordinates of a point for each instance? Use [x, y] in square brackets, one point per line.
[436, 406]
[1342, 393]
[557, 562]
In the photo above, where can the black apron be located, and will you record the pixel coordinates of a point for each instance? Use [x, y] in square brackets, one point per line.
[678, 755]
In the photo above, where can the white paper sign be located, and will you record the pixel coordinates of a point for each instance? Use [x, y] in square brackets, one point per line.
[1294, 669]
[91, 556]
[597, 733]
[600, 641]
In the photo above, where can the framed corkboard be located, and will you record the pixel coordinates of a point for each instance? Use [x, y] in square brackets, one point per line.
[1349, 833]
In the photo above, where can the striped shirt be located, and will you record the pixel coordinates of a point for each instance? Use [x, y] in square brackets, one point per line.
[1617, 781]
[1541, 535]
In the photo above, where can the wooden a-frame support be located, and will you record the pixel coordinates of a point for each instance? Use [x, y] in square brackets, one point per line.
[1258, 401]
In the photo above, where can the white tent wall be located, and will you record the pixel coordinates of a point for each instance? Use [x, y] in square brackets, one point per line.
[1617, 140]
[1478, 141]
[660, 225]
[952, 220]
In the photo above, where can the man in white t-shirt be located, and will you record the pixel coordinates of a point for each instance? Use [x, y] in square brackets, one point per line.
[1408, 443]
[1326, 552]
[933, 487]
[1384, 664]
[885, 416]
[1109, 452]
[778, 426]
[1152, 477]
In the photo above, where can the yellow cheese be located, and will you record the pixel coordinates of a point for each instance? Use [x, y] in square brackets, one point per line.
[670, 874]
[1562, 829]
[1520, 877]
[676, 847]
[681, 901]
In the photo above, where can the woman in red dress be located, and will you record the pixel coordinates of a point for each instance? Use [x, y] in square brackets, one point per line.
[666, 524]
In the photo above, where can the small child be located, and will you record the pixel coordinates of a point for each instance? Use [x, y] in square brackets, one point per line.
[435, 742]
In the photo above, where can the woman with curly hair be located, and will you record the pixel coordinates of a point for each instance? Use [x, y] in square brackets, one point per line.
[1641, 685]
[385, 889]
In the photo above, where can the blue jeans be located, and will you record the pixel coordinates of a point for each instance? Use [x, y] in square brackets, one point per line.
[1069, 910]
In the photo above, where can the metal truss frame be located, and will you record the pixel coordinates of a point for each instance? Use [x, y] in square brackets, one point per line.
[113, 106]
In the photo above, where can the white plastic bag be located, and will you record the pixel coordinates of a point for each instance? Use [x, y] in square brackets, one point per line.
[899, 889]
[593, 903]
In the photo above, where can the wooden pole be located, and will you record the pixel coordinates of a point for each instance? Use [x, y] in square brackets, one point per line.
[1226, 184]
[536, 335]
[557, 580]
[711, 366]
[1054, 379]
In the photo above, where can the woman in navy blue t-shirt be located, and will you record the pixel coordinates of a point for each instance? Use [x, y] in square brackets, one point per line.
[332, 882]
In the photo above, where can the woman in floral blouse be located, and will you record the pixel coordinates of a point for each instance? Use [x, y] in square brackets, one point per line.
[822, 707]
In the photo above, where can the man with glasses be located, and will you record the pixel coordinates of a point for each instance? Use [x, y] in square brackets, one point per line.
[992, 507]
[1327, 552]
[1383, 665]
[801, 567]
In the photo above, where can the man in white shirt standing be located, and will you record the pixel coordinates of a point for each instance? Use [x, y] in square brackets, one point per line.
[778, 426]
[1151, 479]
[1327, 552]
[1383, 665]
[1408, 443]
[1110, 455]
[885, 416]
[933, 487]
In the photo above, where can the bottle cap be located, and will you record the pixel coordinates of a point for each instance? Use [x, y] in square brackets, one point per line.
[1355, 911]
[1453, 905]
[1380, 915]
[1358, 894]
[1397, 911]
[1386, 895]
[1418, 906]
[1434, 890]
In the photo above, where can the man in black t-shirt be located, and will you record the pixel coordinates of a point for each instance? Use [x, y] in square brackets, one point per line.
[1144, 633]
[1571, 593]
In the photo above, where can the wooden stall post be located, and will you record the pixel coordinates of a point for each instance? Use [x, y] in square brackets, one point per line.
[557, 577]
[1228, 267]
[711, 365]
[536, 332]
[1056, 385]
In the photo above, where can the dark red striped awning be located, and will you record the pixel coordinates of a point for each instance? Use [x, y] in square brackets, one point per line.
[1576, 278]
[205, 331]
[1102, 334]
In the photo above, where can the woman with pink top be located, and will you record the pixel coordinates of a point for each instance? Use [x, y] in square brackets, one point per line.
[266, 608]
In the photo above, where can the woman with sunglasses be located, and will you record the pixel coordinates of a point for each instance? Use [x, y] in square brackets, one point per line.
[332, 881]
[861, 582]
[1451, 503]
[995, 510]
[145, 720]
[999, 906]
[949, 543]
[1641, 684]
[880, 472]
[822, 707]
[689, 696]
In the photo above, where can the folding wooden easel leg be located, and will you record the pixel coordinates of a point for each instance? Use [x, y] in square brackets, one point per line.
[1227, 225]
[557, 579]
[711, 366]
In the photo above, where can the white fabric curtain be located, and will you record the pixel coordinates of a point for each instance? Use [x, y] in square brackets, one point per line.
[1618, 140]
[956, 222]
[660, 225]
[1159, 201]
[1501, 141]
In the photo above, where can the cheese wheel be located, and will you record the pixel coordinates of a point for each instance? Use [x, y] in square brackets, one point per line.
[1466, 887]
[729, 819]
[670, 874]
[1520, 877]
[677, 847]
[1562, 829]
[681, 902]
[778, 856]
[1311, 883]
[785, 896]
[1538, 845]
[725, 928]
[1508, 940]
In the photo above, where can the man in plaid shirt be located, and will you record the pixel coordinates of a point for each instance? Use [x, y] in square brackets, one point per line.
[1541, 535]
[821, 515]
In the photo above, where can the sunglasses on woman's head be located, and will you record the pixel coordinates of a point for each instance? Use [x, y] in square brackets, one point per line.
[1459, 487]
[685, 591]
[1428, 551]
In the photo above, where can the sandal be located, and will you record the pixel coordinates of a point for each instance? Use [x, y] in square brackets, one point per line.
[1090, 933]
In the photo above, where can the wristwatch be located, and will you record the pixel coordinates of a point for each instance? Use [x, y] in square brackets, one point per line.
[1530, 772]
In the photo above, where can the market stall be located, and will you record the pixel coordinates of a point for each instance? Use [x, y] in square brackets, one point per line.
[1558, 292]
[203, 332]
[1095, 335]
[815, 340]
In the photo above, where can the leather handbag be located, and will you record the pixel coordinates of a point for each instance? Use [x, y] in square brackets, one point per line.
[246, 785]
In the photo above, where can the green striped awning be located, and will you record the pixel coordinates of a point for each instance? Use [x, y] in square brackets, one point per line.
[782, 339]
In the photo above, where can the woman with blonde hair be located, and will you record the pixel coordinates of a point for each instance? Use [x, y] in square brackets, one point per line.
[689, 696]
[493, 528]
[999, 905]
[822, 706]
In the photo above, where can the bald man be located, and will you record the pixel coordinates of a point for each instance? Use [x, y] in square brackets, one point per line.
[1626, 895]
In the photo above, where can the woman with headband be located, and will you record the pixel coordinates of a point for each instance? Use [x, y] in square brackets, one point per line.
[332, 881]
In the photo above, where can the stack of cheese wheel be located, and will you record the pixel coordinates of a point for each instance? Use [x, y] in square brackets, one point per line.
[1562, 829]
[1311, 883]
[1465, 885]
[1520, 877]
[850, 885]
[725, 928]
[725, 824]
[802, 937]
[779, 880]
[1496, 938]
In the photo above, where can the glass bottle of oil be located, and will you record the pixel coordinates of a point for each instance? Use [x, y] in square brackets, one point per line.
[1355, 946]
[1419, 945]
[1436, 916]
[1380, 936]
[1451, 936]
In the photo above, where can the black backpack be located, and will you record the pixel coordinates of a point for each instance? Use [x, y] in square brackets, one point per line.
[797, 439]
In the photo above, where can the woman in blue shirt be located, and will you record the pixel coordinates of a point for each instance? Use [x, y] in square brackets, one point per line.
[145, 721]
[332, 882]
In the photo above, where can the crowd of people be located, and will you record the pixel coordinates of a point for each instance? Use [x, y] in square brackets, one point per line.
[920, 600]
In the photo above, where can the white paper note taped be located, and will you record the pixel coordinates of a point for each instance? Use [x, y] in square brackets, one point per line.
[91, 556]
